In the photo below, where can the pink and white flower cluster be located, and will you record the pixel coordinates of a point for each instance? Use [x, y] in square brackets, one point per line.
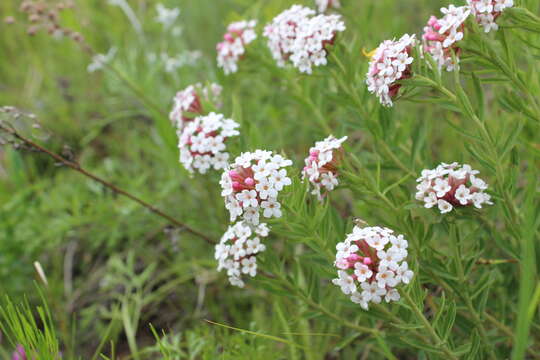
[487, 11]
[442, 35]
[452, 185]
[321, 165]
[299, 36]
[371, 263]
[252, 183]
[233, 46]
[202, 142]
[324, 5]
[390, 63]
[238, 249]
[188, 103]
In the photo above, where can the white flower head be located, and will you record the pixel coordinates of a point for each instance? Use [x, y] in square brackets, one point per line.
[451, 186]
[233, 47]
[252, 183]
[238, 249]
[300, 36]
[188, 103]
[441, 36]
[390, 62]
[165, 16]
[371, 264]
[202, 142]
[487, 11]
[321, 165]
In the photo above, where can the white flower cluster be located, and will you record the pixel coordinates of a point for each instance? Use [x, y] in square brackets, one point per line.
[297, 35]
[451, 185]
[233, 46]
[324, 5]
[390, 63]
[441, 35]
[165, 16]
[253, 183]
[188, 102]
[238, 249]
[100, 60]
[487, 11]
[371, 263]
[202, 142]
[321, 165]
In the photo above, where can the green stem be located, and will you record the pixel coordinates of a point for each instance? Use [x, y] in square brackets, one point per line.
[467, 298]
[429, 328]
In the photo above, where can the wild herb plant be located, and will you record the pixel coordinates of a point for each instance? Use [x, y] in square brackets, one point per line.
[444, 260]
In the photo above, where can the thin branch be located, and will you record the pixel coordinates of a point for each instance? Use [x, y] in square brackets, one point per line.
[75, 166]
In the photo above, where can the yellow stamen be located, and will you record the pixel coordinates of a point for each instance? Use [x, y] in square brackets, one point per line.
[369, 54]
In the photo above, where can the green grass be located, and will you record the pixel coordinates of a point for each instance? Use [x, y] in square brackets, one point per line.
[112, 270]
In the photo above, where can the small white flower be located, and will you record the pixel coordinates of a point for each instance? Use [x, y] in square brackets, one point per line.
[444, 206]
[403, 273]
[271, 208]
[248, 198]
[280, 179]
[392, 295]
[388, 259]
[362, 272]
[372, 292]
[346, 282]
[463, 194]
[377, 242]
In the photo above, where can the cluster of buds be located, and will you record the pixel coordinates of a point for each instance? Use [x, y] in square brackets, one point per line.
[238, 249]
[441, 36]
[390, 63]
[188, 103]
[44, 16]
[452, 185]
[202, 142]
[233, 46]
[322, 165]
[252, 184]
[299, 36]
[487, 11]
[371, 263]
[324, 5]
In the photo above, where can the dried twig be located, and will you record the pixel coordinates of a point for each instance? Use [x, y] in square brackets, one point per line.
[75, 166]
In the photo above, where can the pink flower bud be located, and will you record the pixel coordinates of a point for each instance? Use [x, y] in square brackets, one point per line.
[237, 186]
[249, 181]
[353, 258]
[367, 261]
